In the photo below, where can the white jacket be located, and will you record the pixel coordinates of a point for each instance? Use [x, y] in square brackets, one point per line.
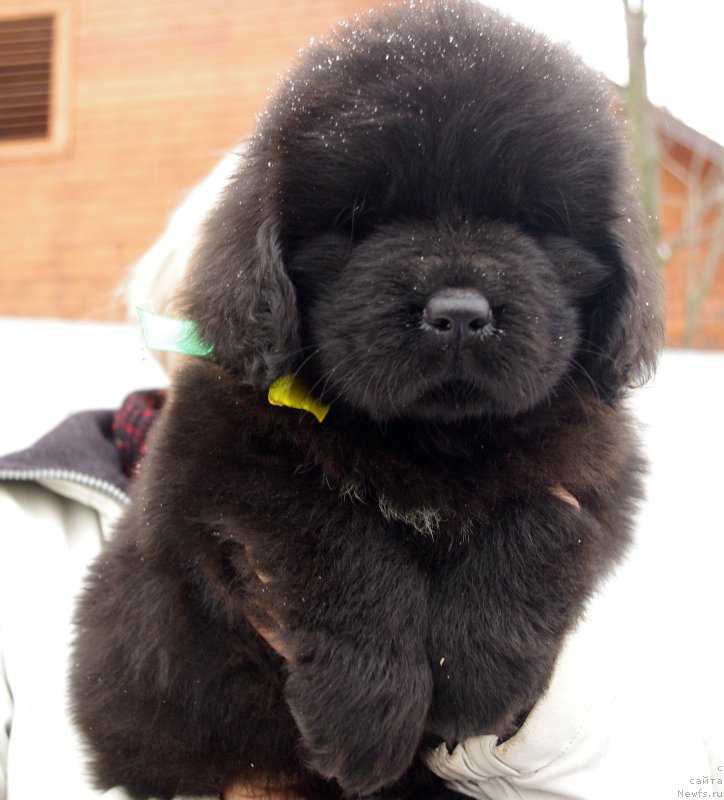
[603, 731]
[58, 502]
[46, 541]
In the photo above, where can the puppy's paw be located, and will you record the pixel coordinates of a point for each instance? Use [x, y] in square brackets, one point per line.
[361, 715]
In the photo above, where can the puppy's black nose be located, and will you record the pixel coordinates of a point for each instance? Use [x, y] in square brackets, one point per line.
[457, 312]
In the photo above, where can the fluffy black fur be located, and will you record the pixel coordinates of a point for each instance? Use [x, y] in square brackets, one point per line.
[415, 551]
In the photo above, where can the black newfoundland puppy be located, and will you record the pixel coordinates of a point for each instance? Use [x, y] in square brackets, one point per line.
[433, 233]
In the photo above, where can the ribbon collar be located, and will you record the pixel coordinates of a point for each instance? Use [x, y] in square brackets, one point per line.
[172, 335]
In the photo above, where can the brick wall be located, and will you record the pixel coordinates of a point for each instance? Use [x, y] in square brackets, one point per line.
[150, 94]
[691, 217]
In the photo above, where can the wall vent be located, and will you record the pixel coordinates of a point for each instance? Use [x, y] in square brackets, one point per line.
[26, 59]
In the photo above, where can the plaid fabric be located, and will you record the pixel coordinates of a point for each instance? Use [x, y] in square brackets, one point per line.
[131, 424]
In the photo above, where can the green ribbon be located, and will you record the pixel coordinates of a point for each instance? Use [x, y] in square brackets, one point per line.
[172, 335]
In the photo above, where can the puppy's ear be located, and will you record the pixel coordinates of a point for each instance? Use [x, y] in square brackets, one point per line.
[238, 290]
[626, 327]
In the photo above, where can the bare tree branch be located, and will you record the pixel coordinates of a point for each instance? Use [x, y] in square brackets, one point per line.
[699, 241]
[643, 140]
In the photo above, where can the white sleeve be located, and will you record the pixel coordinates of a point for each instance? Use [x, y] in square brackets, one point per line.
[46, 542]
[43, 539]
[608, 726]
[6, 716]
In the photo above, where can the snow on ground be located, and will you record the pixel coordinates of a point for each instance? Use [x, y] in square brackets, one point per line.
[49, 369]
[681, 533]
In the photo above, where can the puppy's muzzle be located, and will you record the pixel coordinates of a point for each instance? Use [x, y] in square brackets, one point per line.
[457, 314]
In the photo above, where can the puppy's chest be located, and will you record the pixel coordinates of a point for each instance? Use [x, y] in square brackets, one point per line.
[436, 499]
[313, 474]
[429, 519]
[434, 515]
[432, 499]
[435, 507]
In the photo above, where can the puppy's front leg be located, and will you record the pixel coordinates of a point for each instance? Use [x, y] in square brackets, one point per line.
[500, 608]
[361, 713]
[359, 683]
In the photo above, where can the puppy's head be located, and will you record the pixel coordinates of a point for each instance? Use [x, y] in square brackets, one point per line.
[433, 221]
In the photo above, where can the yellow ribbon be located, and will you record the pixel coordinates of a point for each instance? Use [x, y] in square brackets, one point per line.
[291, 391]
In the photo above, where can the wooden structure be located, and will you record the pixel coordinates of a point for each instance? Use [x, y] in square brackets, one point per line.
[110, 112]
[691, 220]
